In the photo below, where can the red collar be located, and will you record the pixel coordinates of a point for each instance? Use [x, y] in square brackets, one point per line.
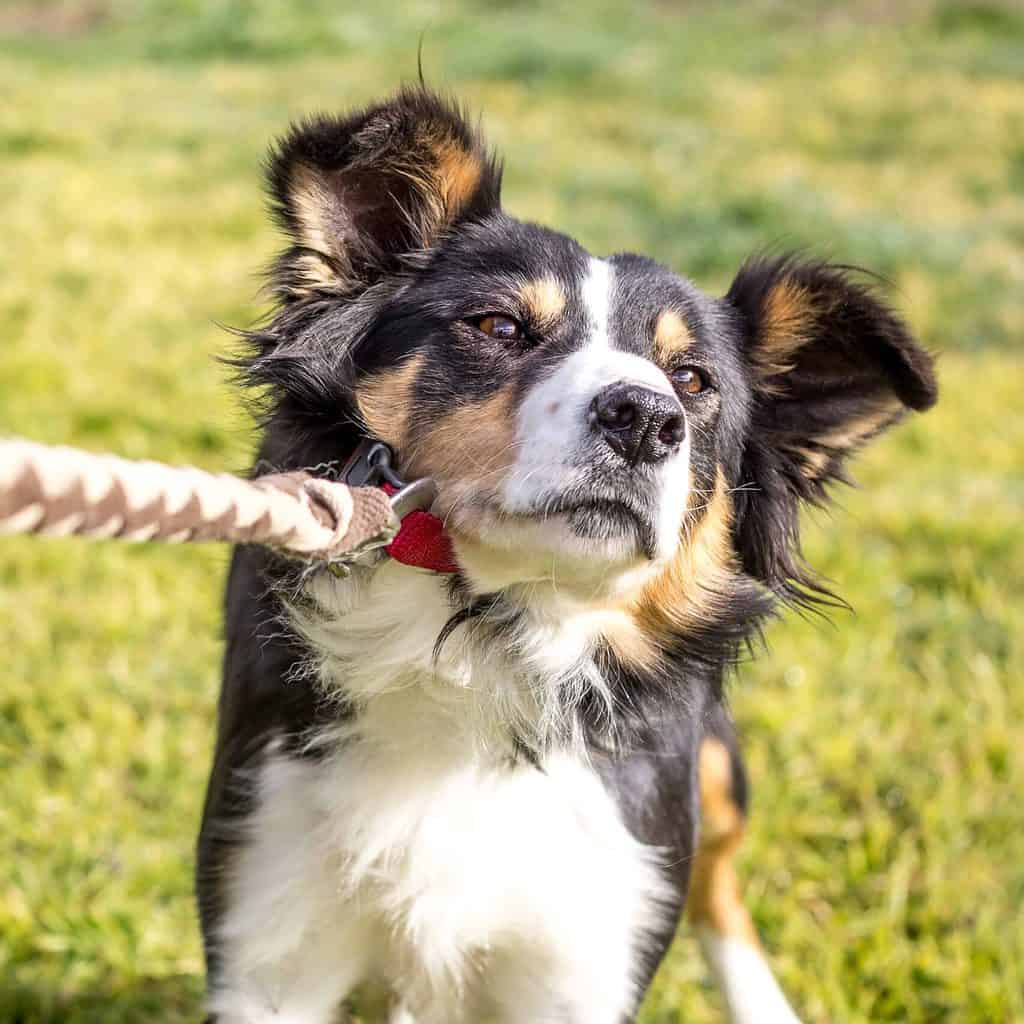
[421, 541]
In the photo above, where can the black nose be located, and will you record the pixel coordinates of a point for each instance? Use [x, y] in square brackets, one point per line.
[639, 424]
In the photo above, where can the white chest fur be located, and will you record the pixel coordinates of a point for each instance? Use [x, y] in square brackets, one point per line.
[414, 849]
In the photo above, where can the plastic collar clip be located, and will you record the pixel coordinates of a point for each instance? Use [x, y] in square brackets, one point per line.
[370, 465]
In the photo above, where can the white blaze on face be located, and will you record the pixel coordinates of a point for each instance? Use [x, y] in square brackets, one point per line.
[597, 299]
[554, 437]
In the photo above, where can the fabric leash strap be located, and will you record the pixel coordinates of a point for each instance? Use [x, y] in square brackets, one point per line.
[63, 491]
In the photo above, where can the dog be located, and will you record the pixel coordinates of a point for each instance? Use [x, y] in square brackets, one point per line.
[493, 782]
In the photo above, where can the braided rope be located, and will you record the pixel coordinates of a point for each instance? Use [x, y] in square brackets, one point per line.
[63, 491]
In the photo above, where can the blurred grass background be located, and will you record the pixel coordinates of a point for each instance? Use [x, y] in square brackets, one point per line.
[885, 863]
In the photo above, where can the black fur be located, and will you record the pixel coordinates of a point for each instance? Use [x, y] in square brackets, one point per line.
[857, 355]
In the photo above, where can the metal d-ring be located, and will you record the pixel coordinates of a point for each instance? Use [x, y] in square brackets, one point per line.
[420, 494]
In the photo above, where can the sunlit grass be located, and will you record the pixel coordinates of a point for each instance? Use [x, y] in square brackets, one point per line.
[885, 862]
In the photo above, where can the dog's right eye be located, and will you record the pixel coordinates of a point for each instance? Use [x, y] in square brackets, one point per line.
[501, 328]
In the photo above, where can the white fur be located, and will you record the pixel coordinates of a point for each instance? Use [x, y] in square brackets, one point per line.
[415, 851]
[554, 441]
[597, 298]
[747, 983]
[375, 636]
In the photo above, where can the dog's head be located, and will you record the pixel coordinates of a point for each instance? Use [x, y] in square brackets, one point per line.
[600, 421]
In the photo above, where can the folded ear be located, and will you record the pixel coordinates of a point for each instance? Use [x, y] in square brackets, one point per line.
[358, 195]
[831, 367]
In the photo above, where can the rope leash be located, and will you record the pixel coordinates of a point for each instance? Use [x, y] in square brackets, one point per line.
[61, 491]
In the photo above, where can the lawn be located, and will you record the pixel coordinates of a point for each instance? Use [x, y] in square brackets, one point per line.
[885, 861]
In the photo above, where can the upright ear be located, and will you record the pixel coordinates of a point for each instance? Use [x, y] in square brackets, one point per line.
[831, 367]
[358, 195]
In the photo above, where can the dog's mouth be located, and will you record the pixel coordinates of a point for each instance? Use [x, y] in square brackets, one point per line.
[623, 523]
[588, 515]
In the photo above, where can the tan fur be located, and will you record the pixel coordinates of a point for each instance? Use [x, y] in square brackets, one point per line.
[446, 175]
[471, 446]
[317, 274]
[324, 265]
[849, 435]
[458, 173]
[311, 199]
[815, 461]
[791, 314]
[543, 301]
[385, 401]
[672, 337]
[686, 590]
[682, 593]
[629, 643]
[789, 318]
[714, 900]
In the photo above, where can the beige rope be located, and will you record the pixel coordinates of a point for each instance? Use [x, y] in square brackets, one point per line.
[63, 491]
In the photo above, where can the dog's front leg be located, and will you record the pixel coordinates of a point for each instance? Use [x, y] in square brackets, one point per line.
[287, 944]
[595, 989]
[302, 984]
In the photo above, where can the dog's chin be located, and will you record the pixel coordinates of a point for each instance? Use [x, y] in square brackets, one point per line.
[612, 526]
[585, 541]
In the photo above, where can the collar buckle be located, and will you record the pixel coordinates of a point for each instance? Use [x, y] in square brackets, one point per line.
[370, 466]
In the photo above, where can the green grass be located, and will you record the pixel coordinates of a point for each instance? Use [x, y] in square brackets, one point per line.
[885, 862]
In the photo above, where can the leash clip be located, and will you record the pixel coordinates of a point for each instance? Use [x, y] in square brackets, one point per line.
[370, 465]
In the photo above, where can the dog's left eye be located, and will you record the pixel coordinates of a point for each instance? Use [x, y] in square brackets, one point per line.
[501, 328]
[690, 380]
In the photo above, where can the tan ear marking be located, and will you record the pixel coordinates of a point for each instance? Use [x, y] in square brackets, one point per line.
[446, 175]
[787, 324]
[814, 461]
[385, 401]
[323, 265]
[672, 337]
[310, 199]
[850, 434]
[458, 172]
[313, 274]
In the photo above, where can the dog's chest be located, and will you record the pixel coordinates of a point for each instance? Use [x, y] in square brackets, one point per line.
[454, 845]
[417, 847]
[441, 869]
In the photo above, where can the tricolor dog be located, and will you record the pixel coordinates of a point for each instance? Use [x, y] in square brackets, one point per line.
[490, 778]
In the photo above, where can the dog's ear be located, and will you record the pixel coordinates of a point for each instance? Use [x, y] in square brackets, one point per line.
[358, 196]
[831, 367]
